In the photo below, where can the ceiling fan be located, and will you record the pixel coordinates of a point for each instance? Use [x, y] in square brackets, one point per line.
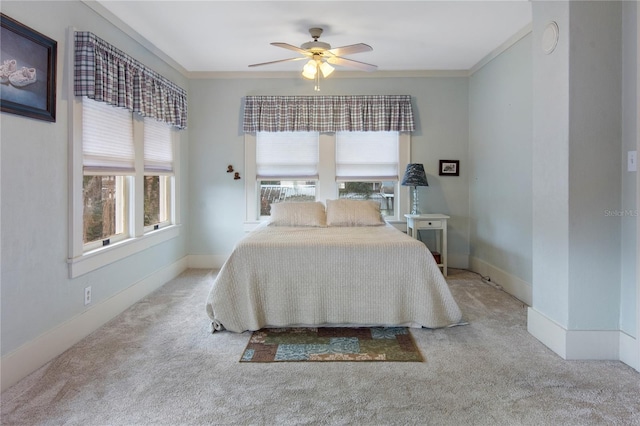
[320, 56]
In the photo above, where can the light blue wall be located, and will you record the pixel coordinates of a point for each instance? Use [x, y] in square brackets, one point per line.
[500, 133]
[595, 112]
[576, 165]
[216, 140]
[36, 292]
[550, 155]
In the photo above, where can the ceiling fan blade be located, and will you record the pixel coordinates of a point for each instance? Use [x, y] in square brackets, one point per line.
[275, 62]
[352, 64]
[348, 50]
[292, 47]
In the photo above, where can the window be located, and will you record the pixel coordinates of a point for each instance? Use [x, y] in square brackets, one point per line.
[108, 160]
[156, 202]
[158, 169]
[381, 191]
[277, 191]
[104, 206]
[367, 167]
[371, 133]
[123, 167]
[307, 166]
[123, 182]
[286, 165]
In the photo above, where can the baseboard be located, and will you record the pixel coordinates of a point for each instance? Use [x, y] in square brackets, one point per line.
[629, 351]
[593, 344]
[580, 344]
[36, 353]
[513, 285]
[206, 261]
[550, 333]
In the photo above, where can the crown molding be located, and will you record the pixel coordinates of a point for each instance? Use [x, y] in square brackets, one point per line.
[502, 48]
[202, 75]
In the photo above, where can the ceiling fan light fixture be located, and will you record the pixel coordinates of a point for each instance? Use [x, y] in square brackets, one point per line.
[321, 57]
[310, 70]
[326, 69]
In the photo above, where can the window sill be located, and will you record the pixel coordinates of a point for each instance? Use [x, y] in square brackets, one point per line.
[251, 225]
[94, 259]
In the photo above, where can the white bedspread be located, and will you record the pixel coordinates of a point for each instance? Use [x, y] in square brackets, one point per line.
[285, 276]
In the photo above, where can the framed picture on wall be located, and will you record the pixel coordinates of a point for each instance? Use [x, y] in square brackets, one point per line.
[449, 167]
[27, 71]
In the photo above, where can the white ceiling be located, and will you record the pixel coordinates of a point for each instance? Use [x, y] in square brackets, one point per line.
[227, 36]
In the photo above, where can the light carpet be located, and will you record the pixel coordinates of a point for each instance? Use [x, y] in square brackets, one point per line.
[158, 364]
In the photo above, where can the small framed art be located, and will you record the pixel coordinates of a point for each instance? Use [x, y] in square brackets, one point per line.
[27, 71]
[449, 167]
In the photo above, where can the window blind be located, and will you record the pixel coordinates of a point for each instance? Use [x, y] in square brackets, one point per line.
[158, 149]
[107, 139]
[287, 155]
[366, 156]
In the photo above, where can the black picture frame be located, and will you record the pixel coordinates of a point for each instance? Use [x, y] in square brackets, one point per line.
[32, 94]
[449, 167]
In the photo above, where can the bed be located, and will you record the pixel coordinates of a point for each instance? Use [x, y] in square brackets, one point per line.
[341, 267]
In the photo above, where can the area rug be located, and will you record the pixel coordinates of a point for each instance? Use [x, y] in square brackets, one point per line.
[331, 344]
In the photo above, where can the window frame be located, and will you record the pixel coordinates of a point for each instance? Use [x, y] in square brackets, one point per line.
[82, 259]
[327, 186]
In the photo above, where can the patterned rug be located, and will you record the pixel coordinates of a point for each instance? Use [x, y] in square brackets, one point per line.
[331, 344]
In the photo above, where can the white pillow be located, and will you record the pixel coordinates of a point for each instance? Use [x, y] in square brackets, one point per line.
[345, 212]
[308, 213]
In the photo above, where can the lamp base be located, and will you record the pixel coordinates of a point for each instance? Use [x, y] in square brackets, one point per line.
[414, 207]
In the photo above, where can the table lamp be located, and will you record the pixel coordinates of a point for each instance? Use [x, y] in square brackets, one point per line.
[415, 176]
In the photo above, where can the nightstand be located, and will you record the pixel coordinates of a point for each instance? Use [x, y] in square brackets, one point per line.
[436, 222]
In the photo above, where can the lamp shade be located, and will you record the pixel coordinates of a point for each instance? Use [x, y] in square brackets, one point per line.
[310, 69]
[415, 175]
[326, 69]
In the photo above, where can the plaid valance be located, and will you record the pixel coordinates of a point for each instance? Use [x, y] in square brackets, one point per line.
[109, 75]
[368, 113]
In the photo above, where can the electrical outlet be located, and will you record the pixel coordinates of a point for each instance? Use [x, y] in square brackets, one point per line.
[87, 295]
